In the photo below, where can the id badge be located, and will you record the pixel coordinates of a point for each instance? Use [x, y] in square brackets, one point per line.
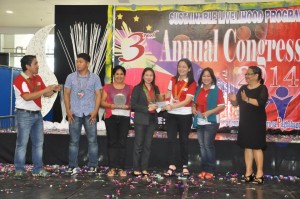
[80, 94]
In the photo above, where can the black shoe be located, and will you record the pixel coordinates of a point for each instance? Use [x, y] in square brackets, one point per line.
[171, 172]
[249, 178]
[185, 171]
[258, 180]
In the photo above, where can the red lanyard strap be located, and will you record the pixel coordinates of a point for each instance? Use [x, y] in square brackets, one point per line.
[181, 89]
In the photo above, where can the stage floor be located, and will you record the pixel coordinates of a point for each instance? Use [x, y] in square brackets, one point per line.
[282, 168]
[225, 185]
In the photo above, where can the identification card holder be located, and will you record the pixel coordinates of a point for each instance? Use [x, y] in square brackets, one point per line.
[80, 93]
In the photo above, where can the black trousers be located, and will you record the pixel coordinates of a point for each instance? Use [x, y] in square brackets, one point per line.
[178, 124]
[117, 128]
[142, 144]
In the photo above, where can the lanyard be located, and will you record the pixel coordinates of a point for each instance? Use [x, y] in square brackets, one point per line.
[79, 82]
[177, 96]
[148, 95]
[34, 88]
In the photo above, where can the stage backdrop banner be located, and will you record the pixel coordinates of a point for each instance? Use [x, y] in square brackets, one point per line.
[226, 37]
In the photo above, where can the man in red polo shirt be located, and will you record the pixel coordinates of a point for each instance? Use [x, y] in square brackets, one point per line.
[29, 87]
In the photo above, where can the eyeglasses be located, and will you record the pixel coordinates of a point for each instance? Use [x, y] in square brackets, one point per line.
[249, 74]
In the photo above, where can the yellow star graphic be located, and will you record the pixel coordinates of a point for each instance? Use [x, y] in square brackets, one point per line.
[120, 16]
[148, 27]
[136, 18]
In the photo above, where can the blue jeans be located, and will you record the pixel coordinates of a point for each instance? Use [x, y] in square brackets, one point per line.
[206, 137]
[91, 133]
[29, 124]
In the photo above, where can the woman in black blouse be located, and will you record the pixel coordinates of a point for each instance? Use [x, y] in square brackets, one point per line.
[252, 99]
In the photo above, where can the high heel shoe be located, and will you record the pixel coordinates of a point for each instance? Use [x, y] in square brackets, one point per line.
[185, 171]
[170, 172]
[111, 172]
[258, 180]
[249, 178]
[209, 176]
[137, 173]
[145, 173]
[122, 173]
[202, 175]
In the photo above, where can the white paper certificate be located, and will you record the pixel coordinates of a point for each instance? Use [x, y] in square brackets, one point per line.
[162, 104]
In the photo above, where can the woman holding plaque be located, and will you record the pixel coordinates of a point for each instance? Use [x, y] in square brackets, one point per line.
[145, 119]
[115, 99]
[208, 103]
[252, 99]
[181, 90]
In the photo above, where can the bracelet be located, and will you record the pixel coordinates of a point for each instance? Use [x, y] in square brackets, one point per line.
[248, 100]
[54, 91]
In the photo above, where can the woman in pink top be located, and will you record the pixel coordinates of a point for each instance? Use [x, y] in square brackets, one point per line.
[116, 99]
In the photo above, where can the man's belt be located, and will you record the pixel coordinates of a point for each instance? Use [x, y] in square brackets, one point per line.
[28, 111]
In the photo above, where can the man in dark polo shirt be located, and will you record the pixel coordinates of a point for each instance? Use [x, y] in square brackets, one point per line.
[29, 87]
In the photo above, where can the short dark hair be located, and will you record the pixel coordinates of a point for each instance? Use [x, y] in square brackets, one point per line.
[118, 67]
[211, 73]
[84, 56]
[26, 60]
